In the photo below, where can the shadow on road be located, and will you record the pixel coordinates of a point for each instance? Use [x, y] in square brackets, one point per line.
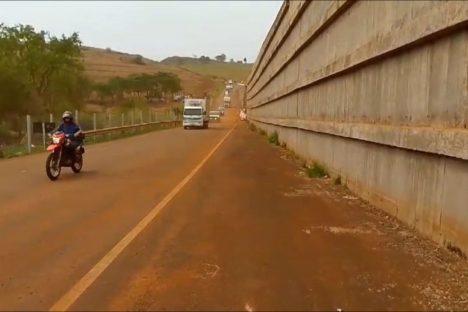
[70, 176]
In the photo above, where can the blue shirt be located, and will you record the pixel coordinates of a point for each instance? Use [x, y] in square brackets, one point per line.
[70, 129]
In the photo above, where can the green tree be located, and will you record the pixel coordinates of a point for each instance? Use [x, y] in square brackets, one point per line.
[45, 60]
[204, 59]
[221, 57]
[15, 99]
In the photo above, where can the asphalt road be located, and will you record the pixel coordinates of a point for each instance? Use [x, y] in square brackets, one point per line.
[237, 228]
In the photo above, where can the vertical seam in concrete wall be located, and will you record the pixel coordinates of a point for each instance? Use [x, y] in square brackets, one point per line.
[441, 211]
[465, 95]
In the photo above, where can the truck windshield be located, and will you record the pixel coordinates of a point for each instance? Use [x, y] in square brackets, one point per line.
[192, 111]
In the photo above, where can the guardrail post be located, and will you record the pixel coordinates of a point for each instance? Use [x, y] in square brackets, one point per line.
[51, 117]
[43, 135]
[94, 121]
[109, 118]
[94, 126]
[141, 116]
[122, 117]
[28, 133]
[77, 118]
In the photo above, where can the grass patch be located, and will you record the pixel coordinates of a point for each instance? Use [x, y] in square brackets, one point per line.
[273, 138]
[316, 171]
[262, 132]
[284, 145]
[224, 70]
[337, 180]
[20, 150]
[252, 127]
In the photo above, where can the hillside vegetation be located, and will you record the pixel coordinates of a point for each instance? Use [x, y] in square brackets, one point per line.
[212, 68]
[102, 65]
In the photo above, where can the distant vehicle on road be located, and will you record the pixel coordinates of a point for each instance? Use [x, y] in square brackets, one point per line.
[221, 110]
[195, 114]
[215, 115]
[243, 114]
[227, 100]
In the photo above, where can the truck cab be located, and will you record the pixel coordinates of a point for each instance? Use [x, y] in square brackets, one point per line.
[195, 114]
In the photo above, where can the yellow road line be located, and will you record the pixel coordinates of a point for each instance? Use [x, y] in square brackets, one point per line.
[88, 279]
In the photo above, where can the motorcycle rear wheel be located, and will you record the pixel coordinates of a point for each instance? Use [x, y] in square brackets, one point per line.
[52, 172]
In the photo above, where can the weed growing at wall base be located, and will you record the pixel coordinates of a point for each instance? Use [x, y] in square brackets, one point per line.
[316, 171]
[273, 138]
[252, 127]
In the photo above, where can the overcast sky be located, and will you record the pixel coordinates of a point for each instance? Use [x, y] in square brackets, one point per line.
[155, 29]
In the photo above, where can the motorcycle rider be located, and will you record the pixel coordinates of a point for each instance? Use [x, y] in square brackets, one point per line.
[72, 132]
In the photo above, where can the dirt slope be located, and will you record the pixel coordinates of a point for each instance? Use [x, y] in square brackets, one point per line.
[101, 65]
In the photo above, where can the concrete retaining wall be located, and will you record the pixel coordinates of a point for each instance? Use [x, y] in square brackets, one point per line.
[377, 91]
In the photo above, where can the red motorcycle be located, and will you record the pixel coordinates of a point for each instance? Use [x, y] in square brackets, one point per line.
[62, 155]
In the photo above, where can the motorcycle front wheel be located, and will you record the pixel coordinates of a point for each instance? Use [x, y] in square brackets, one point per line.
[77, 165]
[52, 168]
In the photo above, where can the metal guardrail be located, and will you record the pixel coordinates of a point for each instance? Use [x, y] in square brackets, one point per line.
[91, 133]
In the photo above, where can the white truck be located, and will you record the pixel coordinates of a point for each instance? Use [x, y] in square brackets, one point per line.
[195, 113]
[227, 101]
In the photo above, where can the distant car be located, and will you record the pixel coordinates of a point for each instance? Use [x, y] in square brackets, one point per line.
[215, 115]
[221, 110]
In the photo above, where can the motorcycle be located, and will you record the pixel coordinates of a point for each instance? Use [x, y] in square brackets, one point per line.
[61, 155]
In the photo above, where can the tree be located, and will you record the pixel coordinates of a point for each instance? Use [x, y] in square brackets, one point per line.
[245, 60]
[15, 99]
[169, 83]
[38, 73]
[221, 57]
[139, 86]
[204, 59]
[104, 91]
[43, 59]
[138, 59]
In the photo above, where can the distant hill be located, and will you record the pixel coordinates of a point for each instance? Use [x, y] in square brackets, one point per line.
[101, 65]
[212, 68]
